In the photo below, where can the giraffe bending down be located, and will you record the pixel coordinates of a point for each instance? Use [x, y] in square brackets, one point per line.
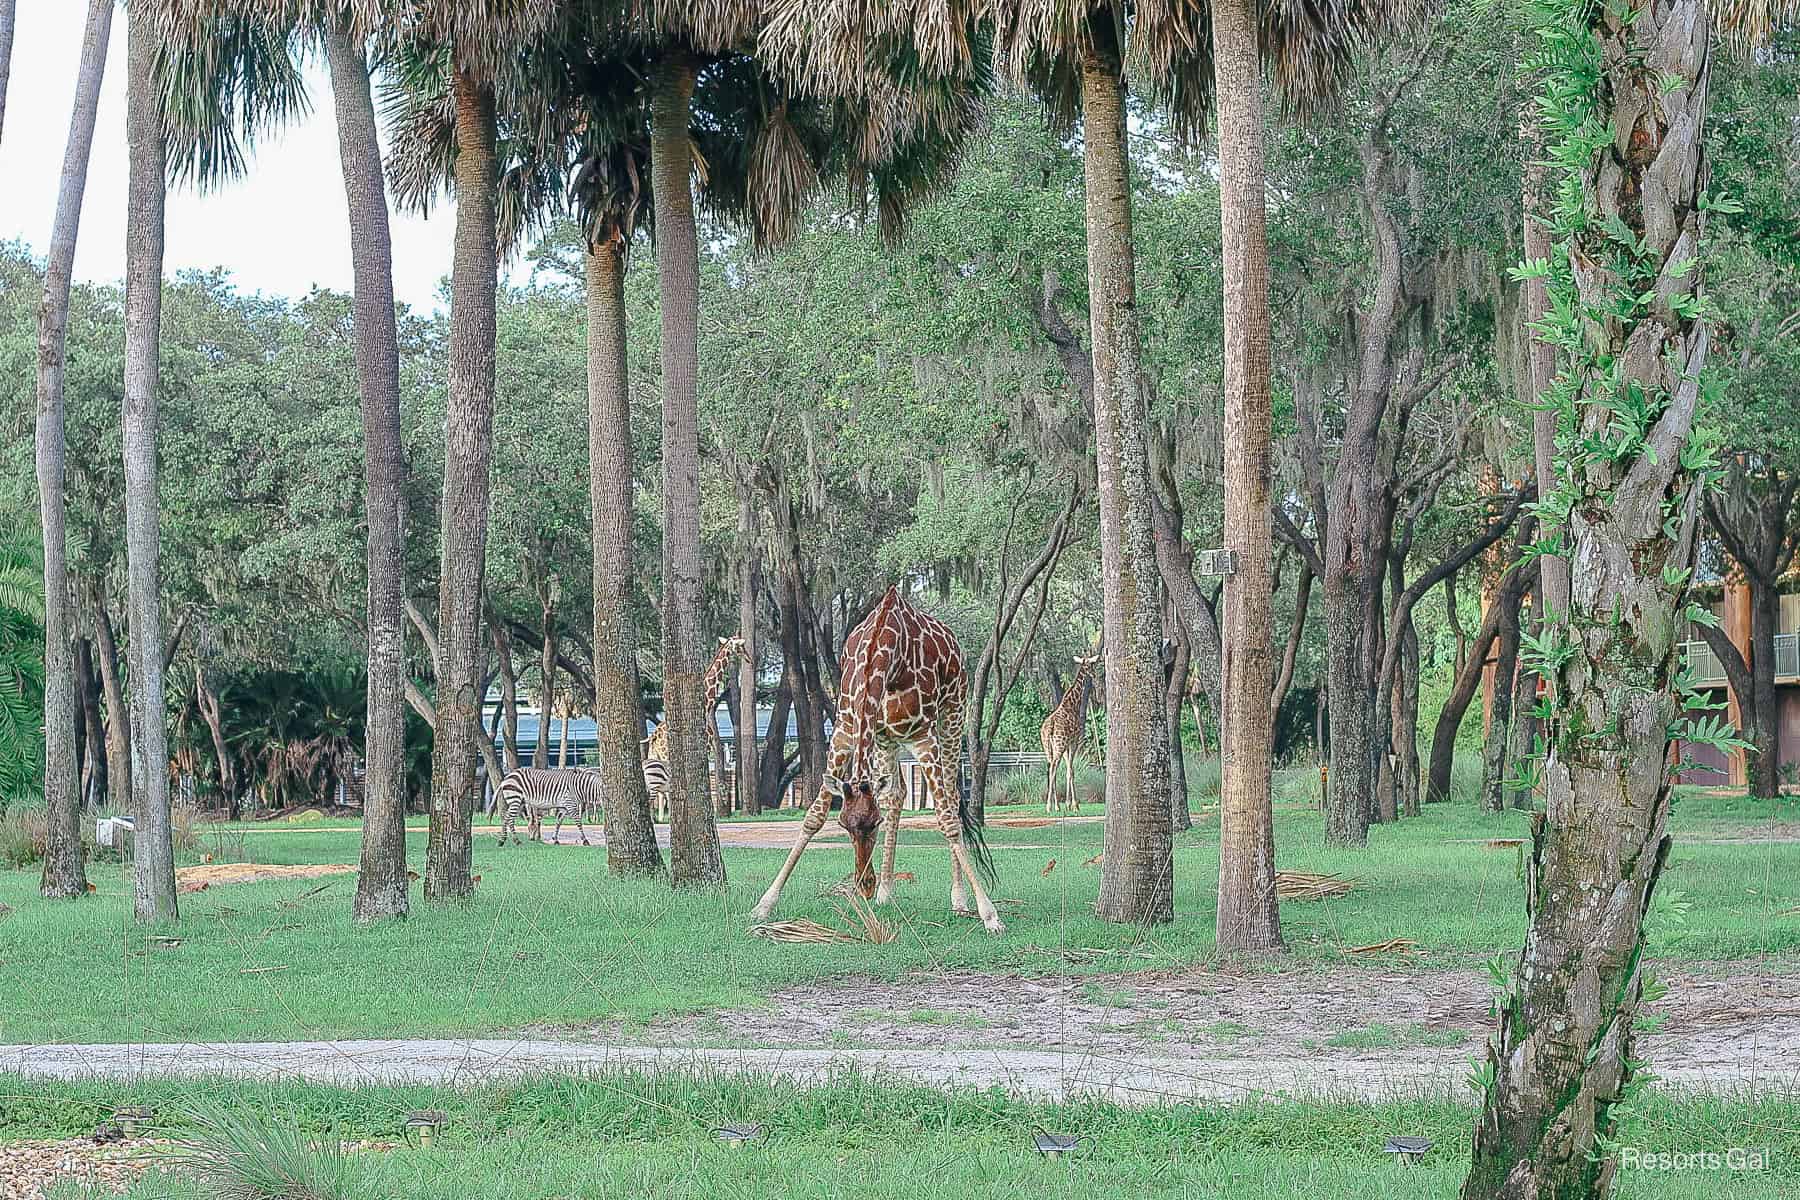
[903, 684]
[656, 747]
[1061, 733]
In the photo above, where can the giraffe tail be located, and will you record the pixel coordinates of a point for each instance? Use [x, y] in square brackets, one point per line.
[974, 837]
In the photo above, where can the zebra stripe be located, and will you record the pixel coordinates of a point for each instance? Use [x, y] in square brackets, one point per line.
[656, 782]
[538, 790]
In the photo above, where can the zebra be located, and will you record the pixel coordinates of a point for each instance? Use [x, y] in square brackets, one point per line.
[656, 774]
[537, 790]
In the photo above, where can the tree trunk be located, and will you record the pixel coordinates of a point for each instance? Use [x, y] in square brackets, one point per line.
[772, 765]
[618, 708]
[1406, 724]
[1553, 570]
[509, 691]
[1137, 878]
[1247, 915]
[1494, 766]
[1524, 725]
[1173, 692]
[93, 764]
[381, 882]
[118, 715]
[694, 859]
[1765, 623]
[745, 718]
[546, 683]
[1469, 676]
[468, 424]
[208, 702]
[1563, 1057]
[64, 876]
[153, 888]
[6, 43]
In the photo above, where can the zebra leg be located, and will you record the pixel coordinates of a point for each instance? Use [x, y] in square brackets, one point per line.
[506, 822]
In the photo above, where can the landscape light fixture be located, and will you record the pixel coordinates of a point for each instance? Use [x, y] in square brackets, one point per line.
[1054, 1145]
[132, 1119]
[1408, 1149]
[738, 1136]
[423, 1124]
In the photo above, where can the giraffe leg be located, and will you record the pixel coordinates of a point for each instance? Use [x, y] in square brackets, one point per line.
[1050, 780]
[887, 768]
[1069, 771]
[809, 826]
[943, 792]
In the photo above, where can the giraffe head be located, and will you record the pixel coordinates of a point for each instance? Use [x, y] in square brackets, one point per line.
[733, 647]
[861, 819]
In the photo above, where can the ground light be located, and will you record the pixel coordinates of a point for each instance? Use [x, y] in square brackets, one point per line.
[1054, 1145]
[1409, 1150]
[738, 1136]
[423, 1124]
[132, 1119]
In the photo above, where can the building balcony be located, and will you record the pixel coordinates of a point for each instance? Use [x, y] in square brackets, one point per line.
[1708, 672]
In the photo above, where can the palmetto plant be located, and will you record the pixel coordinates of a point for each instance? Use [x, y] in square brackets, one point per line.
[21, 672]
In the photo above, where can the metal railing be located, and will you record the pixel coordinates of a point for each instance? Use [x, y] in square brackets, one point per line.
[1709, 672]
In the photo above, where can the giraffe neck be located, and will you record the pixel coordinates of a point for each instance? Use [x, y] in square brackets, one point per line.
[715, 676]
[1071, 701]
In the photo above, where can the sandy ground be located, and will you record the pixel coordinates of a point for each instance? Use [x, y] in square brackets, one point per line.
[1138, 1038]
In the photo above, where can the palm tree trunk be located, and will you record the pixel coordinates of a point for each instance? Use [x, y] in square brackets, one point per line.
[153, 891]
[381, 881]
[546, 684]
[6, 42]
[618, 711]
[64, 877]
[1563, 1056]
[1138, 876]
[1247, 918]
[693, 831]
[455, 779]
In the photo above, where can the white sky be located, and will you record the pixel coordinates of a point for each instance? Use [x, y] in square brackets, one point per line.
[282, 230]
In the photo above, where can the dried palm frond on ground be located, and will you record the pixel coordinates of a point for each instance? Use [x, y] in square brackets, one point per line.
[1304, 885]
[1391, 946]
[862, 912]
[802, 929]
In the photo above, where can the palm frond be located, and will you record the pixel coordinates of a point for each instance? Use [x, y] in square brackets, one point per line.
[227, 78]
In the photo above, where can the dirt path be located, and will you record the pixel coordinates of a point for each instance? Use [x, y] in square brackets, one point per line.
[1137, 1038]
[753, 835]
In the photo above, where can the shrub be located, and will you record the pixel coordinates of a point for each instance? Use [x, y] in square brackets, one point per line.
[24, 833]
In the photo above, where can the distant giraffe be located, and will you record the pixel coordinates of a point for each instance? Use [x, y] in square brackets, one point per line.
[1061, 734]
[656, 748]
[903, 684]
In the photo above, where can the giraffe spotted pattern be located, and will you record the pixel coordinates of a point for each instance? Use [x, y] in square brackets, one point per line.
[903, 684]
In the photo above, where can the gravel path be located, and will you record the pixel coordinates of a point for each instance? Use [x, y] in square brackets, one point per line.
[1136, 1038]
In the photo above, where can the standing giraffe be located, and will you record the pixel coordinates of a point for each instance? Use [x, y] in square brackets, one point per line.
[903, 684]
[656, 747]
[1061, 733]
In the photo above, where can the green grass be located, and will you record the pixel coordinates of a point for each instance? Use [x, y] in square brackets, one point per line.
[858, 1136]
[1389, 1037]
[549, 939]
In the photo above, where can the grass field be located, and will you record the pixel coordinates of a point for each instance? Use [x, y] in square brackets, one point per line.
[550, 940]
[628, 1135]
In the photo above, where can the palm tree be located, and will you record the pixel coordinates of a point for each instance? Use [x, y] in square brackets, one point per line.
[783, 114]
[230, 73]
[477, 41]
[1625, 113]
[64, 876]
[609, 193]
[21, 671]
[152, 845]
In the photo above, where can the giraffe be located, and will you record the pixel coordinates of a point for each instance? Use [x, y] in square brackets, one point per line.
[1061, 733]
[903, 684]
[656, 746]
